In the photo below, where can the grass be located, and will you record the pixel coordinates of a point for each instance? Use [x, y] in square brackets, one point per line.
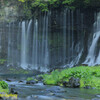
[89, 76]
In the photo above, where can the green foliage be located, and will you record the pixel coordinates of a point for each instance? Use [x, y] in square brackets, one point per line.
[4, 87]
[22, 0]
[89, 76]
[29, 6]
[3, 84]
[45, 4]
[29, 78]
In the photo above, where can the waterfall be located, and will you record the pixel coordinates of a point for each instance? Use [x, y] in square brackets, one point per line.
[23, 46]
[35, 45]
[72, 50]
[9, 44]
[67, 54]
[0, 42]
[47, 42]
[28, 43]
[40, 52]
[91, 58]
[64, 38]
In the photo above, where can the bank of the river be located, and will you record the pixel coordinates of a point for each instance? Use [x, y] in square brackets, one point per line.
[83, 77]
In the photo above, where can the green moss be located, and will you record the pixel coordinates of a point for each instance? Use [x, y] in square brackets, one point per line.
[89, 76]
[18, 71]
[29, 78]
[2, 61]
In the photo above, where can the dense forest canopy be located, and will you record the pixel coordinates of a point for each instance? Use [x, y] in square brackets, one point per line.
[45, 4]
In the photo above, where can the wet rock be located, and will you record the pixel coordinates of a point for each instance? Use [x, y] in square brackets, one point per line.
[12, 85]
[39, 83]
[13, 91]
[56, 89]
[9, 80]
[95, 99]
[7, 97]
[74, 82]
[32, 97]
[31, 82]
[65, 83]
[93, 88]
[1, 98]
[51, 94]
[43, 97]
[87, 87]
[20, 81]
[98, 96]
[84, 64]
[39, 78]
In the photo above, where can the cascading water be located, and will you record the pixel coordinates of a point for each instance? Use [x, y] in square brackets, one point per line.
[47, 42]
[92, 59]
[72, 49]
[25, 46]
[40, 45]
[0, 42]
[35, 46]
[40, 52]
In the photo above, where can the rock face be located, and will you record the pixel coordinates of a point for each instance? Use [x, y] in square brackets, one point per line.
[8, 10]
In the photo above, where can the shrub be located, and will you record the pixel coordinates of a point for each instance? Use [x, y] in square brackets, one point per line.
[4, 87]
[3, 84]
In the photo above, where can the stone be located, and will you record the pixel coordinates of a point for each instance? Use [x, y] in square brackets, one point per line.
[55, 89]
[74, 82]
[20, 81]
[65, 83]
[1, 98]
[98, 96]
[95, 99]
[87, 87]
[9, 80]
[39, 78]
[12, 90]
[31, 82]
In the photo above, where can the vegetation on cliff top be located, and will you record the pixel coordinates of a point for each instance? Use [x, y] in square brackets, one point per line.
[88, 76]
[45, 4]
